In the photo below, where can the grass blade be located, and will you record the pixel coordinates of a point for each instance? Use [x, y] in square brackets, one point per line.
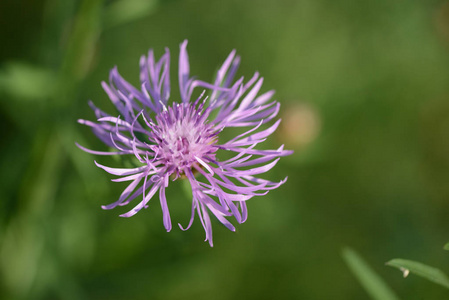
[420, 269]
[372, 283]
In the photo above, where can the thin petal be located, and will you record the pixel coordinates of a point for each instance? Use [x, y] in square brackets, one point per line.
[121, 172]
[184, 70]
[143, 203]
[165, 211]
[125, 194]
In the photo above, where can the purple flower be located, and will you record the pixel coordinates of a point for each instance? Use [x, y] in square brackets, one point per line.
[180, 140]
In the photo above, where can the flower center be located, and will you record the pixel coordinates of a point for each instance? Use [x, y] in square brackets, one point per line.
[183, 137]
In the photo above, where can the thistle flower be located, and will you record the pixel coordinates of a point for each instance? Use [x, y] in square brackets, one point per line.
[175, 140]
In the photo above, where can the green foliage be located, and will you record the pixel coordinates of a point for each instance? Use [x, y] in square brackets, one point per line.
[371, 282]
[420, 269]
[446, 246]
[364, 94]
[26, 82]
[124, 11]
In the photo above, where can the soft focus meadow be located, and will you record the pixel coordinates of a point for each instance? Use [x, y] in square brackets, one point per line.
[364, 93]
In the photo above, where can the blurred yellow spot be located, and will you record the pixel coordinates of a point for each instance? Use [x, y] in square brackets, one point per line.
[300, 125]
[441, 21]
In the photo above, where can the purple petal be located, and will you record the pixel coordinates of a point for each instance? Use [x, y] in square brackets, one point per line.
[165, 211]
[129, 189]
[184, 70]
[143, 203]
[121, 172]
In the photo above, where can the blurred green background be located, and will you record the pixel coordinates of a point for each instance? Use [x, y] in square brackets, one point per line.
[364, 88]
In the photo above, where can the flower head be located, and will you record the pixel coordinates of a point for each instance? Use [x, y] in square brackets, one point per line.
[180, 139]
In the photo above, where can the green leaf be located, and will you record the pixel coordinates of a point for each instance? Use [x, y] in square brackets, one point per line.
[373, 283]
[78, 58]
[446, 247]
[430, 273]
[27, 82]
[125, 11]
